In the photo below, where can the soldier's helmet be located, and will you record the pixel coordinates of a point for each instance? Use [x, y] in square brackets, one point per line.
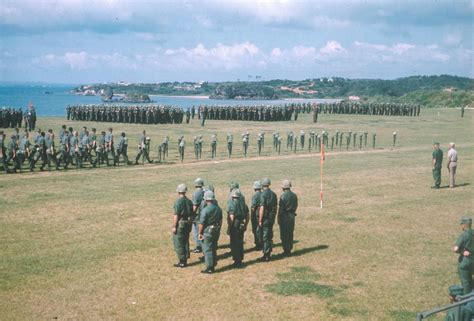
[466, 220]
[236, 193]
[182, 188]
[286, 183]
[257, 185]
[199, 182]
[209, 196]
[266, 182]
[233, 185]
[209, 187]
[148, 138]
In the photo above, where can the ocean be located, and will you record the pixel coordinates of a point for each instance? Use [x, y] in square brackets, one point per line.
[51, 100]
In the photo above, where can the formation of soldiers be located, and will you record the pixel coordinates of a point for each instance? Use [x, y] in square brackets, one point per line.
[203, 216]
[12, 117]
[144, 114]
[384, 109]
[84, 148]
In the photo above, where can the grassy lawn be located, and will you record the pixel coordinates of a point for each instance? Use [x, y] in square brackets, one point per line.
[96, 244]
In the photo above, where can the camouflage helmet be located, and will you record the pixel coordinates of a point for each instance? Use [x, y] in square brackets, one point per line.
[233, 185]
[236, 193]
[209, 187]
[266, 182]
[199, 182]
[286, 183]
[257, 185]
[182, 188]
[209, 196]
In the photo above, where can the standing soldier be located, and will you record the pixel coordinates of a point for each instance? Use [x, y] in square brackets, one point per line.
[437, 161]
[354, 140]
[462, 112]
[230, 139]
[452, 164]
[360, 141]
[2, 151]
[237, 220]
[210, 224]
[465, 248]
[254, 208]
[182, 144]
[200, 146]
[259, 143]
[286, 216]
[266, 218]
[193, 112]
[394, 138]
[332, 142]
[289, 140]
[245, 143]
[302, 135]
[315, 113]
[213, 145]
[182, 220]
[374, 135]
[197, 200]
[196, 147]
[365, 138]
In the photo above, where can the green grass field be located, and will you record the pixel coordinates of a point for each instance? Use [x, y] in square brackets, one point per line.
[96, 243]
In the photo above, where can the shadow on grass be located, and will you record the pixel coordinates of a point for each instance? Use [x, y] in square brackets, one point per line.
[455, 186]
[275, 257]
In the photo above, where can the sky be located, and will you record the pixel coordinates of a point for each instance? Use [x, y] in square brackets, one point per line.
[72, 41]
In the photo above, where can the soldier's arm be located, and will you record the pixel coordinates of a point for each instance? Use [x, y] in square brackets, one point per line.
[260, 215]
[175, 223]
[458, 246]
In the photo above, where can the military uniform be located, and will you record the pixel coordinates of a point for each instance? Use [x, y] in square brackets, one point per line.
[465, 242]
[183, 212]
[254, 207]
[268, 207]
[438, 161]
[286, 216]
[210, 222]
[230, 139]
[238, 219]
[196, 200]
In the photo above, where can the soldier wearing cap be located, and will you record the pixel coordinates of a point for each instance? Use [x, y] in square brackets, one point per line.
[182, 220]
[254, 207]
[266, 217]
[210, 223]
[196, 200]
[286, 216]
[464, 246]
[237, 220]
[436, 162]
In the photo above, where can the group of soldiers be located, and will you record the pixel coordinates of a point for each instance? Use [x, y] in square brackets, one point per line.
[12, 118]
[369, 108]
[143, 114]
[76, 148]
[203, 216]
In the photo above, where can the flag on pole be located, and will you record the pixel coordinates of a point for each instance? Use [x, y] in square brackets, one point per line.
[322, 163]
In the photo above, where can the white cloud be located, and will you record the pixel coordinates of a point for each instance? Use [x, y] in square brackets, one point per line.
[453, 38]
[332, 47]
[326, 22]
[401, 48]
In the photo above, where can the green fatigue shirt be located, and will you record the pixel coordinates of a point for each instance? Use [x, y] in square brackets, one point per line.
[72, 144]
[238, 208]
[211, 215]
[288, 202]
[64, 142]
[256, 201]
[438, 156]
[183, 207]
[198, 196]
[49, 143]
[24, 144]
[12, 145]
[268, 200]
[465, 242]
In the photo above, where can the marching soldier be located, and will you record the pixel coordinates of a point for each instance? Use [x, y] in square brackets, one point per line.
[286, 216]
[210, 223]
[181, 227]
[122, 147]
[464, 246]
[109, 147]
[12, 149]
[266, 218]
[237, 221]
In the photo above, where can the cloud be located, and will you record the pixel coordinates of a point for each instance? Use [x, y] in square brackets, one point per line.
[332, 47]
[85, 61]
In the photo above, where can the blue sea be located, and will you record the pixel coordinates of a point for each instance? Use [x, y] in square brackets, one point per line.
[51, 100]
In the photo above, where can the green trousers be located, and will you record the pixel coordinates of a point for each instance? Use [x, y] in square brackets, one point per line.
[209, 246]
[237, 243]
[465, 270]
[437, 176]
[287, 227]
[256, 235]
[181, 240]
[267, 236]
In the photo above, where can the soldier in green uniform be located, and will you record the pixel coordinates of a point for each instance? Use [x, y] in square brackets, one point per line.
[365, 138]
[213, 145]
[374, 136]
[182, 221]
[122, 147]
[462, 112]
[210, 223]
[266, 217]
[286, 216]
[260, 143]
[394, 134]
[12, 149]
[465, 248]
[143, 148]
[3, 151]
[254, 209]
[181, 146]
[196, 200]
[360, 141]
[237, 220]
[230, 139]
[437, 162]
[245, 143]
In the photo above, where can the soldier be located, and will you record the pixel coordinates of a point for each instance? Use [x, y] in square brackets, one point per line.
[12, 149]
[260, 143]
[50, 150]
[230, 139]
[302, 135]
[365, 138]
[143, 148]
[213, 145]
[286, 216]
[266, 218]
[182, 221]
[245, 143]
[210, 223]
[464, 246]
[462, 112]
[74, 148]
[437, 161]
[24, 148]
[374, 135]
[394, 134]
[254, 208]
[109, 147]
[122, 147]
[452, 164]
[197, 200]
[40, 152]
[289, 140]
[2, 152]
[199, 141]
[360, 141]
[100, 150]
[237, 220]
